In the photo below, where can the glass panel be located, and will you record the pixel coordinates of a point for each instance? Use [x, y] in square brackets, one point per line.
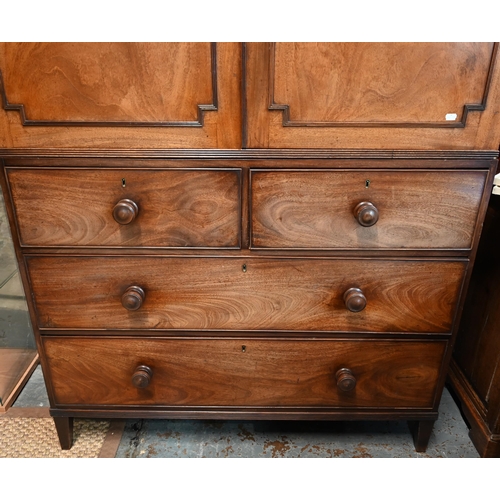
[17, 342]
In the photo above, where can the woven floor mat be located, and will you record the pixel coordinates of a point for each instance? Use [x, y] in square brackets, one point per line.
[37, 438]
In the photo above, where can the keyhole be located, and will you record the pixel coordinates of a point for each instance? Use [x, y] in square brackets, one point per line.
[244, 268]
[243, 348]
[367, 183]
[123, 182]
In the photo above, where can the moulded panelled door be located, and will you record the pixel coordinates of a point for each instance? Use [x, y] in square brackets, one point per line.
[121, 95]
[372, 95]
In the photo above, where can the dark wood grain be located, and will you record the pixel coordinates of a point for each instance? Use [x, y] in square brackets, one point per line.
[176, 208]
[316, 209]
[270, 294]
[95, 371]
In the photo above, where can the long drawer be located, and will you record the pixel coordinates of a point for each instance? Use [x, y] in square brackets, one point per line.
[223, 293]
[127, 207]
[395, 209]
[244, 372]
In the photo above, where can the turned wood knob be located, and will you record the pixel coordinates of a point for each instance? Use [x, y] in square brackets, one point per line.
[125, 211]
[142, 376]
[354, 300]
[346, 381]
[133, 298]
[366, 213]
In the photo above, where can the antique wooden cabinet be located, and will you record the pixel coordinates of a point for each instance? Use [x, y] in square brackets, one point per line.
[474, 372]
[260, 230]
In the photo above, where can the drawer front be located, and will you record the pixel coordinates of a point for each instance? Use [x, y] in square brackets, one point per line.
[245, 294]
[327, 210]
[86, 207]
[217, 372]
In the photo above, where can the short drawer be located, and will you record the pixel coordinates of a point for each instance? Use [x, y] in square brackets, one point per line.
[396, 209]
[223, 293]
[126, 207]
[243, 372]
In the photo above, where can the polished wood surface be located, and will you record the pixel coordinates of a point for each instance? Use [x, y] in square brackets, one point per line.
[142, 377]
[378, 83]
[109, 82]
[346, 381]
[376, 95]
[365, 212]
[175, 208]
[475, 374]
[316, 209]
[247, 230]
[133, 298]
[115, 95]
[266, 294]
[125, 211]
[200, 372]
[354, 299]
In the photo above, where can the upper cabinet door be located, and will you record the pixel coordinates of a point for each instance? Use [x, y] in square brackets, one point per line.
[120, 95]
[372, 95]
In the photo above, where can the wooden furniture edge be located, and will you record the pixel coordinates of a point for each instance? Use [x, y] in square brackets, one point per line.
[20, 384]
[248, 154]
[486, 443]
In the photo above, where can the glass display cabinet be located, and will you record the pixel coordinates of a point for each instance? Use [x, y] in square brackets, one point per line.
[18, 353]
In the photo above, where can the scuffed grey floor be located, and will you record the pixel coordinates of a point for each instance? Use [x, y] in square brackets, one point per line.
[278, 439]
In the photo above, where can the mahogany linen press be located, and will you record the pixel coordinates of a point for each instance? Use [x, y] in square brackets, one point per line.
[247, 230]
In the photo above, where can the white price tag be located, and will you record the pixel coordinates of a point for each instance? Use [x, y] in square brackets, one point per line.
[496, 184]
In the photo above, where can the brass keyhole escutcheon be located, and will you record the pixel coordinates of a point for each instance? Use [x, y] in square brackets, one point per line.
[123, 182]
[244, 268]
[367, 183]
[243, 348]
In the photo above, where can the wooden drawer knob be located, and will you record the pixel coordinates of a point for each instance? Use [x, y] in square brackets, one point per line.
[125, 211]
[133, 298]
[142, 376]
[366, 213]
[354, 300]
[346, 381]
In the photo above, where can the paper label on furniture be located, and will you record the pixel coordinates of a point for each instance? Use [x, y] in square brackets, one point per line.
[450, 117]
